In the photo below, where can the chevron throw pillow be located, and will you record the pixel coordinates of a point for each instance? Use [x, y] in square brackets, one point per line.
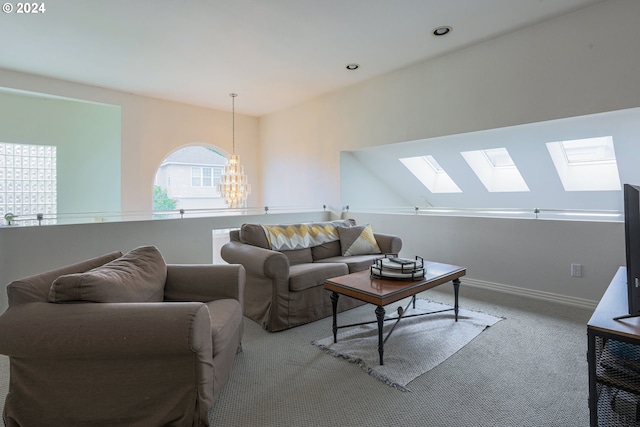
[358, 240]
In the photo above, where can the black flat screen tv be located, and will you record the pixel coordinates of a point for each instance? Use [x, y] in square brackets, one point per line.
[632, 242]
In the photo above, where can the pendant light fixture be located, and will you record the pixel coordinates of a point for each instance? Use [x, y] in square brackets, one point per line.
[234, 186]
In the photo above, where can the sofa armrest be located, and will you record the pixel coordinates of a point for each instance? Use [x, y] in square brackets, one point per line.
[388, 243]
[257, 261]
[204, 282]
[42, 330]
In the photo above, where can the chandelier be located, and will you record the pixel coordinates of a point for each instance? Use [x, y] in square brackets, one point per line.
[234, 186]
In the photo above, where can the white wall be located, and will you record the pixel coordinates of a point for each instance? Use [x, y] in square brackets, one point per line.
[87, 138]
[580, 64]
[31, 250]
[527, 147]
[151, 130]
[526, 256]
[584, 63]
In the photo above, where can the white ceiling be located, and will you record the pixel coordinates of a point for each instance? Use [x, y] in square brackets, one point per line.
[273, 53]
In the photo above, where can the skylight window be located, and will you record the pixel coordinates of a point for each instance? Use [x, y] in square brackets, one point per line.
[499, 157]
[586, 164]
[581, 151]
[496, 170]
[431, 174]
[433, 163]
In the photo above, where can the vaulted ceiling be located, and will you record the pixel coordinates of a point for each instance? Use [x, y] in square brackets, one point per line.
[274, 53]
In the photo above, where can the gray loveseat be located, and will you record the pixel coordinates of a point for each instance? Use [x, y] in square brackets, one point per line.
[121, 340]
[287, 265]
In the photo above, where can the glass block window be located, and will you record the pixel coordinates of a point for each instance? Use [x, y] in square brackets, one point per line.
[28, 182]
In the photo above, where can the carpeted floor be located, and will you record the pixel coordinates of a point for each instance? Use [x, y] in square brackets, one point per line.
[527, 371]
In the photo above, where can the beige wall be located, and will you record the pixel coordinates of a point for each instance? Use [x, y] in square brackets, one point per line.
[580, 64]
[152, 129]
[584, 63]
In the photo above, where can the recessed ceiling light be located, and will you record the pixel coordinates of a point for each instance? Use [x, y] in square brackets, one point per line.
[441, 31]
[352, 66]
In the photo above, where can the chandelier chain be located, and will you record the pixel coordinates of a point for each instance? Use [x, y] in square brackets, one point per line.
[233, 121]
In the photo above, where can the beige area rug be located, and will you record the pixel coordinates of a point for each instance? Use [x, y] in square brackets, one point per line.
[417, 344]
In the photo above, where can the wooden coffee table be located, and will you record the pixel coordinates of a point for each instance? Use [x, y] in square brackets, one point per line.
[380, 292]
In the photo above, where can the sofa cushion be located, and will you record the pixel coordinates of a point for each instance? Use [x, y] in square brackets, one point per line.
[326, 250]
[253, 234]
[299, 256]
[358, 240]
[305, 276]
[137, 276]
[354, 263]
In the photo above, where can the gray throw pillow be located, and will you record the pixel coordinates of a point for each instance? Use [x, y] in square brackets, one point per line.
[137, 276]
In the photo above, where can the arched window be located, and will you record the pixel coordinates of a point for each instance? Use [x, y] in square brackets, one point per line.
[188, 179]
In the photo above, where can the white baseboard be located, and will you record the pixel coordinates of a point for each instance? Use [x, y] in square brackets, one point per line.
[530, 293]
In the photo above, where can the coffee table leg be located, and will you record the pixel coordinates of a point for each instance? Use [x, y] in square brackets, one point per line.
[334, 305]
[456, 291]
[380, 316]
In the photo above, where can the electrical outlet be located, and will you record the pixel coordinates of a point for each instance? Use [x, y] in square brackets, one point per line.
[576, 270]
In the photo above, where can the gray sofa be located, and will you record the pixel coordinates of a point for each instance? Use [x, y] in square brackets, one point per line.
[284, 287]
[121, 340]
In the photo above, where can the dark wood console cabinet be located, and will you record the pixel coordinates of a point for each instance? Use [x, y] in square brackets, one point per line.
[614, 359]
